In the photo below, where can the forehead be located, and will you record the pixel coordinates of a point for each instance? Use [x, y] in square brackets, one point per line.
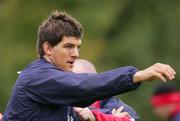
[71, 40]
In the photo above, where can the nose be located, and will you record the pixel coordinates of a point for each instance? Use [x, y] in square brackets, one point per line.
[75, 53]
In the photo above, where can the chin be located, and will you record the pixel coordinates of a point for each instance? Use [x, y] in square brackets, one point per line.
[68, 69]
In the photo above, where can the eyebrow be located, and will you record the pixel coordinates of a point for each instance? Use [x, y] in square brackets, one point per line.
[72, 44]
[69, 44]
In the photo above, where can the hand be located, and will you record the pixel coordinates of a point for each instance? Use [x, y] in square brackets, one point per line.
[157, 71]
[118, 112]
[84, 114]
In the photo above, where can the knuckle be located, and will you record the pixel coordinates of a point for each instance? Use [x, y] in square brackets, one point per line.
[157, 63]
[168, 66]
[161, 70]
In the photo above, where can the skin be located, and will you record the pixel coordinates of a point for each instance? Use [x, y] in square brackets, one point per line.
[84, 66]
[157, 71]
[1, 116]
[163, 111]
[119, 112]
[84, 114]
[64, 54]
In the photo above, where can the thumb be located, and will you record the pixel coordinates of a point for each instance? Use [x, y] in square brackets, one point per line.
[77, 109]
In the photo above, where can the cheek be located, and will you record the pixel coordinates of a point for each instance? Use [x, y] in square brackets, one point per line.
[63, 57]
[60, 54]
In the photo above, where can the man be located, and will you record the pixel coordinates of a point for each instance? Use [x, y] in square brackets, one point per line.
[166, 102]
[107, 106]
[47, 90]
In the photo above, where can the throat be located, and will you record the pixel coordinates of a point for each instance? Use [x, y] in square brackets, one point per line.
[48, 59]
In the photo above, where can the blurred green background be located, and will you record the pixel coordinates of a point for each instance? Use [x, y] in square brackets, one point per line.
[117, 33]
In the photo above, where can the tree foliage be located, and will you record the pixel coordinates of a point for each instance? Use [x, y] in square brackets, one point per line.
[121, 32]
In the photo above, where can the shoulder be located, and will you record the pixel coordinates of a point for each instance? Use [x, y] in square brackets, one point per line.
[37, 69]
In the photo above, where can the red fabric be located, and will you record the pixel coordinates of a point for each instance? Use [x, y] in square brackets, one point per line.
[168, 98]
[107, 117]
[96, 104]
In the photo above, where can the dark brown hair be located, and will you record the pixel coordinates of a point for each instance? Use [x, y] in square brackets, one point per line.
[52, 30]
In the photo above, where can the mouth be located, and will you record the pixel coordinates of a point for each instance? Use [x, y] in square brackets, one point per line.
[71, 63]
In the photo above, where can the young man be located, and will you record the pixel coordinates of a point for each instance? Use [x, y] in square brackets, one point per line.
[47, 90]
[166, 102]
[110, 109]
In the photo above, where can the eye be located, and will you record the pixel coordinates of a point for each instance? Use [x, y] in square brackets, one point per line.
[68, 46]
[78, 47]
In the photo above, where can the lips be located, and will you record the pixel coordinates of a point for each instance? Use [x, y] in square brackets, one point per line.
[70, 62]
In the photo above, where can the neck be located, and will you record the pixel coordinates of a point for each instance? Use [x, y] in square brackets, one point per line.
[48, 59]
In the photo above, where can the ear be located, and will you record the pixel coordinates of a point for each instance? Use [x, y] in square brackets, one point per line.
[47, 48]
